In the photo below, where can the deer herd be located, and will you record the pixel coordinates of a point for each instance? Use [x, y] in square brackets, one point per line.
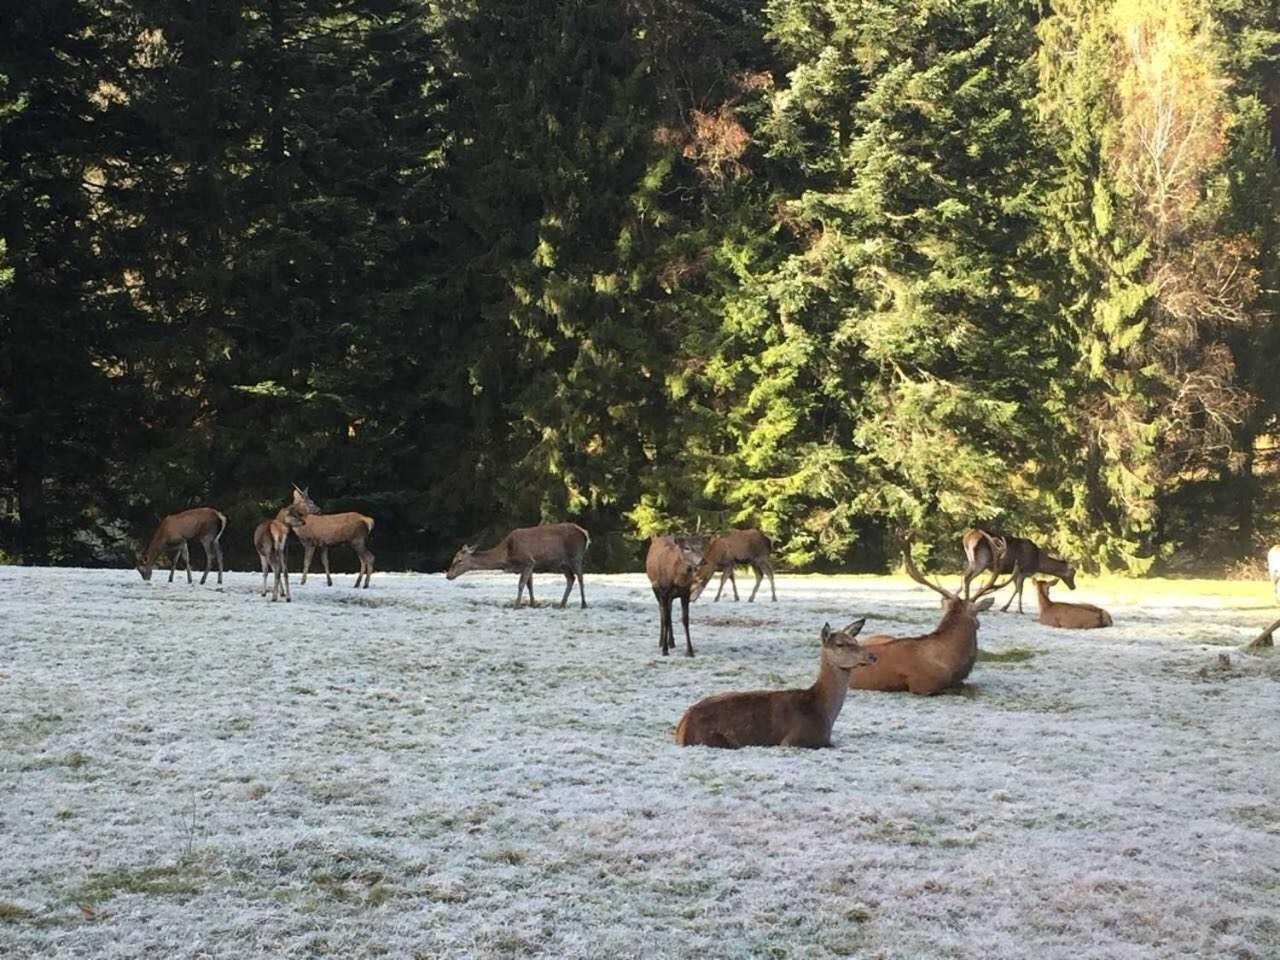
[682, 567]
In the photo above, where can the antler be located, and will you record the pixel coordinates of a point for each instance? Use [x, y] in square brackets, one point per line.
[919, 578]
[999, 553]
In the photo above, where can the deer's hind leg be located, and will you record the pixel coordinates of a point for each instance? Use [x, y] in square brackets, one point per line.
[266, 562]
[209, 550]
[308, 551]
[568, 588]
[759, 580]
[186, 558]
[582, 593]
[324, 558]
[1017, 592]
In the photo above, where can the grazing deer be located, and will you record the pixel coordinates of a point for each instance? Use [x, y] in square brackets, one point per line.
[724, 552]
[935, 661]
[672, 566]
[1273, 568]
[324, 530]
[269, 538]
[202, 523]
[1073, 616]
[1023, 558]
[786, 718]
[552, 546]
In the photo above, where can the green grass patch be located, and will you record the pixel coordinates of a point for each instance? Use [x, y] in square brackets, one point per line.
[12, 913]
[177, 880]
[1016, 655]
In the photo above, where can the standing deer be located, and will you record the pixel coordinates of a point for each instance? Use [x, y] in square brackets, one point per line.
[787, 718]
[935, 661]
[1023, 558]
[1273, 568]
[1073, 616]
[324, 530]
[201, 523]
[269, 538]
[672, 567]
[724, 552]
[553, 546]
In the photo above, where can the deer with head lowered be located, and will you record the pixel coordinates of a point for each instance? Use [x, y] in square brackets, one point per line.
[552, 546]
[201, 523]
[935, 661]
[269, 538]
[724, 552]
[1072, 616]
[672, 567]
[1022, 558]
[781, 718]
[324, 530]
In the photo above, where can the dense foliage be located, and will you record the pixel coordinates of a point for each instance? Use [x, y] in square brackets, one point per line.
[836, 269]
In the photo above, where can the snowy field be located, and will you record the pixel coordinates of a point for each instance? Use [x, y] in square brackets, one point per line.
[420, 770]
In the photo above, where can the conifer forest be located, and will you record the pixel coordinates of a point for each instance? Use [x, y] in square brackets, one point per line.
[837, 269]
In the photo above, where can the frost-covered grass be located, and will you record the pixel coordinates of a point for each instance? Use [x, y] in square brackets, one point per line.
[420, 770]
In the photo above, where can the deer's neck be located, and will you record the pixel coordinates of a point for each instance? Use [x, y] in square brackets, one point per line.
[495, 558]
[156, 546]
[1052, 565]
[829, 690]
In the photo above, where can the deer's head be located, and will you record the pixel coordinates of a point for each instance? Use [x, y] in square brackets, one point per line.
[143, 565]
[1068, 577]
[688, 566]
[462, 562]
[842, 650]
[292, 518]
[302, 502]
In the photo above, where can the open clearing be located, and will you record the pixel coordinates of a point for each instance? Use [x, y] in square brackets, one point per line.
[420, 770]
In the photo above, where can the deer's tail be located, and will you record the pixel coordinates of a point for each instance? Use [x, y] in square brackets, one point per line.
[368, 525]
[585, 536]
[222, 519]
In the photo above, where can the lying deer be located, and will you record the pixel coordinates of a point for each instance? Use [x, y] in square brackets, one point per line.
[935, 661]
[1073, 616]
[552, 546]
[672, 566]
[724, 552]
[269, 538]
[204, 524]
[324, 530]
[1023, 558]
[787, 718]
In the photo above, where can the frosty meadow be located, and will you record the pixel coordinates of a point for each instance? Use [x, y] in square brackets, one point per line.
[421, 770]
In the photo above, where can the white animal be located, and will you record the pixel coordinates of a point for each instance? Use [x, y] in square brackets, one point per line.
[1273, 568]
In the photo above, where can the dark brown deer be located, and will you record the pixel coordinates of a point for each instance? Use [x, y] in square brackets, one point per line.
[201, 523]
[935, 661]
[1072, 616]
[724, 552]
[781, 718]
[550, 547]
[1023, 558]
[269, 539]
[672, 567]
[324, 530]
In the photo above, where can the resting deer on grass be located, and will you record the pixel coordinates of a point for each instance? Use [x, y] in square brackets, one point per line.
[202, 523]
[935, 661]
[1023, 558]
[1073, 616]
[552, 546]
[269, 539]
[786, 718]
[324, 530]
[724, 552]
[672, 567]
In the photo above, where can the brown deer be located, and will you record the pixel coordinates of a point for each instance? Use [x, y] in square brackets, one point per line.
[785, 718]
[552, 546]
[935, 661]
[672, 567]
[324, 530]
[1023, 558]
[724, 552]
[201, 523]
[269, 538]
[1072, 616]
[1273, 569]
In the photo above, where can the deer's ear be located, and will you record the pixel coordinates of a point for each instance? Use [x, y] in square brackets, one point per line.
[1050, 583]
[855, 628]
[826, 632]
[983, 604]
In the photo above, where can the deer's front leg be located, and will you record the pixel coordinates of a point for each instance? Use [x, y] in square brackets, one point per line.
[308, 551]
